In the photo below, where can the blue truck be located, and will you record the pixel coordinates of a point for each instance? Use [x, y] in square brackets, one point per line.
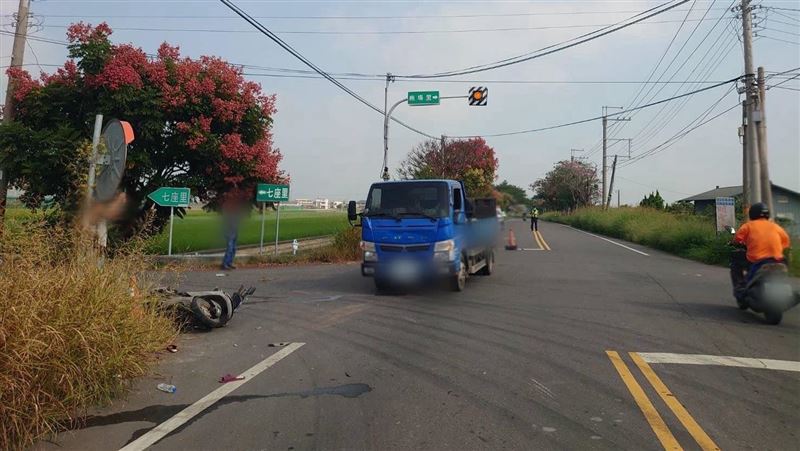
[416, 231]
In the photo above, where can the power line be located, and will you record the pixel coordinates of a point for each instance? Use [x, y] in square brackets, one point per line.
[308, 63]
[651, 186]
[652, 127]
[429, 16]
[680, 135]
[597, 146]
[35, 38]
[781, 31]
[617, 128]
[376, 32]
[672, 112]
[784, 81]
[583, 121]
[784, 87]
[553, 48]
[778, 39]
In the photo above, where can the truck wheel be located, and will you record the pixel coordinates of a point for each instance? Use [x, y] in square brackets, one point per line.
[774, 318]
[459, 280]
[489, 268]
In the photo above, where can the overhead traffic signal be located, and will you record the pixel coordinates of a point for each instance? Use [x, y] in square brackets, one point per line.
[478, 96]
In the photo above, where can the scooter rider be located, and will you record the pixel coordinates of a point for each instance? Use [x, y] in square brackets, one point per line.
[765, 242]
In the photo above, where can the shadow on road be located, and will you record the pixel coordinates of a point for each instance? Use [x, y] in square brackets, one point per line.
[714, 312]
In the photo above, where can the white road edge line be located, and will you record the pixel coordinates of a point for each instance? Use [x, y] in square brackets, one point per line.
[612, 242]
[160, 431]
[721, 360]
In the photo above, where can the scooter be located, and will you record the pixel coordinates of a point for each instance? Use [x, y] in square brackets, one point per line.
[769, 291]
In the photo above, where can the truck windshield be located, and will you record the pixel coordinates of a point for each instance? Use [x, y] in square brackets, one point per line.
[408, 199]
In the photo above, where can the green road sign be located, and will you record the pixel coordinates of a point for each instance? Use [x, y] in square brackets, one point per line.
[418, 98]
[266, 192]
[171, 197]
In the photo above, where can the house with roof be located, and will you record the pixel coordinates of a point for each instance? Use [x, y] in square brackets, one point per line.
[786, 204]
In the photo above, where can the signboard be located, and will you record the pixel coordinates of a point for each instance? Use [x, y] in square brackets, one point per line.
[266, 192]
[171, 197]
[478, 96]
[421, 98]
[167, 196]
[726, 213]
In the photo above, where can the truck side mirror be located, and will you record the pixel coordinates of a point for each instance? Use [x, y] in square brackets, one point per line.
[352, 214]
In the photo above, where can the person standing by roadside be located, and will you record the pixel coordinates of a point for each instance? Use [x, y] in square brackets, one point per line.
[534, 219]
[231, 219]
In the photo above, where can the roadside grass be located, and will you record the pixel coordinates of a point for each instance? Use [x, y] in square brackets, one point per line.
[72, 333]
[688, 236]
[344, 248]
[200, 230]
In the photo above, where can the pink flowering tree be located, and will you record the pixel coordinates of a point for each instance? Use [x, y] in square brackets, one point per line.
[198, 123]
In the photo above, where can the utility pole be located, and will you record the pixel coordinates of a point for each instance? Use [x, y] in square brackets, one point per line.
[17, 55]
[385, 170]
[766, 185]
[751, 97]
[611, 188]
[605, 148]
[745, 159]
[572, 154]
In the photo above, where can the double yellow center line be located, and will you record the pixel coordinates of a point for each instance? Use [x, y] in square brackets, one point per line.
[651, 414]
[540, 240]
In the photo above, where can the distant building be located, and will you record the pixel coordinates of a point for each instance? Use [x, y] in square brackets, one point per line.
[785, 201]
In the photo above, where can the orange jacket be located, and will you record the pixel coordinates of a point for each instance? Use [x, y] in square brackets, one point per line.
[763, 238]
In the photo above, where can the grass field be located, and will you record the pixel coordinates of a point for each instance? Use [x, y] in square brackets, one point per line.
[688, 236]
[199, 230]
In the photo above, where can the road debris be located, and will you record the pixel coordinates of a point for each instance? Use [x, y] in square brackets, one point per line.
[167, 388]
[230, 378]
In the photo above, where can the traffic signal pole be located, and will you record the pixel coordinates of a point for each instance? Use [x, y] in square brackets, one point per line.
[386, 118]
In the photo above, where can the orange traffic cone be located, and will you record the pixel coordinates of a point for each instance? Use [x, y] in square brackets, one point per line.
[512, 241]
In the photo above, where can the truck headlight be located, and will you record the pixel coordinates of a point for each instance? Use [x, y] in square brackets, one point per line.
[368, 250]
[444, 250]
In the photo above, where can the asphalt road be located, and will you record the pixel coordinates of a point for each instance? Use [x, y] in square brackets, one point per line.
[520, 360]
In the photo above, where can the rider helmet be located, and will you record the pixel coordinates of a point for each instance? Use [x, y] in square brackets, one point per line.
[758, 211]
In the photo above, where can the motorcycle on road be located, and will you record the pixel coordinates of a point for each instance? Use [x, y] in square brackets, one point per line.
[768, 291]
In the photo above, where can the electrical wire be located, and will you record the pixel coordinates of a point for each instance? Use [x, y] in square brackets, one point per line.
[34, 38]
[654, 126]
[784, 87]
[778, 39]
[670, 112]
[377, 32]
[682, 133]
[781, 31]
[555, 47]
[264, 30]
[784, 81]
[583, 121]
[598, 145]
[429, 16]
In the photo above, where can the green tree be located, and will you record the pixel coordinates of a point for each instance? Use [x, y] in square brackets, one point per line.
[512, 194]
[653, 200]
[198, 123]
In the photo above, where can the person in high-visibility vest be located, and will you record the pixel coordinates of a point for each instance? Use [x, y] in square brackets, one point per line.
[534, 219]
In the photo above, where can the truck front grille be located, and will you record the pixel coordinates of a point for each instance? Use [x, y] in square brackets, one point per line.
[401, 248]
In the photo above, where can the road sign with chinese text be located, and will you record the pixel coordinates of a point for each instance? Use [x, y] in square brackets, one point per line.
[171, 197]
[420, 98]
[266, 192]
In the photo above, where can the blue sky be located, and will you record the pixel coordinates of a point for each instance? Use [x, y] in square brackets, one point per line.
[332, 144]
